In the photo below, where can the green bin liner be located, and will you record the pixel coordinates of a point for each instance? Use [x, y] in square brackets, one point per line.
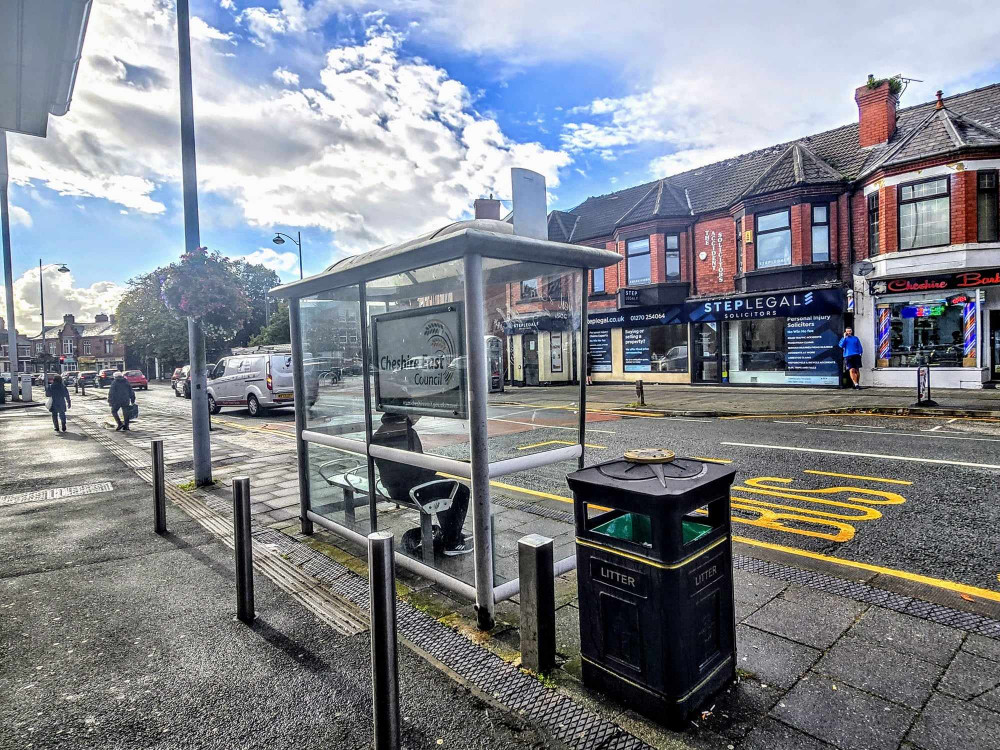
[635, 528]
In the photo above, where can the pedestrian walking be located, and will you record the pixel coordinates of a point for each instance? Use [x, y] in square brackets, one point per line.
[851, 345]
[59, 393]
[590, 368]
[120, 398]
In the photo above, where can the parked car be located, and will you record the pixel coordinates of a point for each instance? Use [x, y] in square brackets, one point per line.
[137, 380]
[88, 377]
[175, 379]
[69, 377]
[105, 377]
[256, 381]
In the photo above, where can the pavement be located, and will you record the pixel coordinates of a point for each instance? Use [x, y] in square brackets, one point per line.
[720, 401]
[831, 655]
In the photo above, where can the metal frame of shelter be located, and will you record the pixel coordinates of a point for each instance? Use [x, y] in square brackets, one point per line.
[470, 242]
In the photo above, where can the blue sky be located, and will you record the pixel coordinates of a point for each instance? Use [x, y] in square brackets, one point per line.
[363, 123]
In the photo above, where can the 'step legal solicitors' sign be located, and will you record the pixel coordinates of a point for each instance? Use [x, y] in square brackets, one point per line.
[420, 363]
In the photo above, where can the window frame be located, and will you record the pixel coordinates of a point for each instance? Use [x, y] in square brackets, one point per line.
[667, 250]
[86, 347]
[873, 227]
[995, 191]
[900, 203]
[535, 291]
[648, 254]
[812, 225]
[593, 281]
[787, 210]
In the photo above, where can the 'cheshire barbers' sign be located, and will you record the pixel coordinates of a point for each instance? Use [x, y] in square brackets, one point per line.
[960, 280]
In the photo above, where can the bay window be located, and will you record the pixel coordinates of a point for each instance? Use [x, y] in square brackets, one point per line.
[774, 239]
[924, 214]
[597, 281]
[873, 224]
[637, 265]
[820, 234]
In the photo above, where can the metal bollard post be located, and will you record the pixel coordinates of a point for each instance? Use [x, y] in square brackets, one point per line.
[159, 493]
[244, 549]
[640, 394]
[385, 674]
[538, 603]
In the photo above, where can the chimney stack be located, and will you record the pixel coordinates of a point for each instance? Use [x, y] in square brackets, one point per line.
[69, 318]
[100, 318]
[876, 113]
[940, 101]
[487, 208]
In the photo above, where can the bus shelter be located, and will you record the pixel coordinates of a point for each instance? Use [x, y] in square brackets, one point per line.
[401, 354]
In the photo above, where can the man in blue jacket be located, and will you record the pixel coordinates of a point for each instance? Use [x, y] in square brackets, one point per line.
[851, 345]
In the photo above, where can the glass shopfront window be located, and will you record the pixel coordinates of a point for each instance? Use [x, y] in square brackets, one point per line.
[761, 344]
[656, 349]
[928, 332]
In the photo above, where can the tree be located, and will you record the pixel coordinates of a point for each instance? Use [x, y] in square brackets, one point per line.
[275, 332]
[205, 285]
[256, 280]
[145, 326]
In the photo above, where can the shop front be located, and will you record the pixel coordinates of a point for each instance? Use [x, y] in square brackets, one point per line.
[639, 343]
[948, 322]
[782, 338]
[542, 349]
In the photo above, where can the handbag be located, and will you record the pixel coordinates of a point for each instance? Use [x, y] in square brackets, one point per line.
[48, 403]
[133, 411]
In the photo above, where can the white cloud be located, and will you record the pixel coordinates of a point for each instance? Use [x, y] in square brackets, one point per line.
[264, 24]
[62, 296]
[20, 217]
[226, 4]
[269, 258]
[383, 148]
[286, 76]
[201, 31]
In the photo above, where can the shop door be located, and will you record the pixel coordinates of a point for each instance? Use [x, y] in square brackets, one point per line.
[529, 356]
[706, 353]
[995, 345]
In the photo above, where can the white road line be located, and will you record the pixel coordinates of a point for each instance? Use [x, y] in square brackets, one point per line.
[550, 426]
[779, 421]
[952, 420]
[909, 434]
[680, 419]
[866, 455]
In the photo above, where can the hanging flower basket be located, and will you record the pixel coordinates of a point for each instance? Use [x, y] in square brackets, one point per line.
[203, 286]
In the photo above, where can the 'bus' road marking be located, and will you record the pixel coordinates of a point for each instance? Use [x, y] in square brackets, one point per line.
[559, 442]
[855, 476]
[908, 434]
[56, 493]
[865, 455]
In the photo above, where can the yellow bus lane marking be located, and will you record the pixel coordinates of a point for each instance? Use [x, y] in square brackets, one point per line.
[550, 426]
[713, 460]
[867, 514]
[773, 520]
[888, 498]
[854, 454]
[856, 476]
[559, 442]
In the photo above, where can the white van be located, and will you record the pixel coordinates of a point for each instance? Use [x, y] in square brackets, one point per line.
[258, 380]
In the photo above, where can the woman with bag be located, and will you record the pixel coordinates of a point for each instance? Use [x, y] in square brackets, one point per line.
[121, 396]
[57, 402]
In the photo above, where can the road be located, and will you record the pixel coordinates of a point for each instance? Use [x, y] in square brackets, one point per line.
[912, 494]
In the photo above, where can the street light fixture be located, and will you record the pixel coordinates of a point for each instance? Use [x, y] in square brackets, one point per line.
[279, 240]
[41, 298]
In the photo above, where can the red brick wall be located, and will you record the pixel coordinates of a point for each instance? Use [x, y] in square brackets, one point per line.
[749, 248]
[707, 277]
[964, 218]
[614, 275]
[656, 260]
[801, 223]
[876, 114]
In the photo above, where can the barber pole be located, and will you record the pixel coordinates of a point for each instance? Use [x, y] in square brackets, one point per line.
[884, 351]
[969, 320]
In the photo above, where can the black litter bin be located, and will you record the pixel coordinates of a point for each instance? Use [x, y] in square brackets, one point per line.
[654, 569]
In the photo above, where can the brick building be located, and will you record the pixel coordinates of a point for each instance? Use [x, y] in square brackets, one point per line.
[81, 346]
[23, 350]
[747, 270]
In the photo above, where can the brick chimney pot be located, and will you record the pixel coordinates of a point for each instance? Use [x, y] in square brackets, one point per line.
[876, 114]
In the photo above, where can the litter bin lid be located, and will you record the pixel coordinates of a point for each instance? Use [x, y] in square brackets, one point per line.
[631, 471]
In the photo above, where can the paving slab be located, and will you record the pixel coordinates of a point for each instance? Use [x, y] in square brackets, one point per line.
[845, 717]
[752, 591]
[911, 635]
[969, 676]
[773, 735]
[950, 724]
[987, 648]
[807, 623]
[901, 678]
[773, 659]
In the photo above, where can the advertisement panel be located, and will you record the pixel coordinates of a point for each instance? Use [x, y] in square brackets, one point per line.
[959, 280]
[812, 356]
[599, 349]
[636, 317]
[636, 342]
[420, 364]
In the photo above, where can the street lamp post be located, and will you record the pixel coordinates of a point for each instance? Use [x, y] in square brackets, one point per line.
[298, 243]
[41, 299]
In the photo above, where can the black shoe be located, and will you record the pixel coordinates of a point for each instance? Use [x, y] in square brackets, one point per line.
[64, 429]
[56, 429]
[459, 549]
[857, 387]
[126, 429]
[118, 428]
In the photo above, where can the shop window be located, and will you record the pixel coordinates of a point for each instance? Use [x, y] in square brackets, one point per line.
[762, 344]
[529, 289]
[924, 214]
[656, 349]
[987, 205]
[927, 332]
[820, 234]
[673, 257]
[597, 281]
[873, 224]
[774, 239]
[637, 265]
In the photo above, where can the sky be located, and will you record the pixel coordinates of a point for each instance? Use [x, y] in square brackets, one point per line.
[361, 124]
